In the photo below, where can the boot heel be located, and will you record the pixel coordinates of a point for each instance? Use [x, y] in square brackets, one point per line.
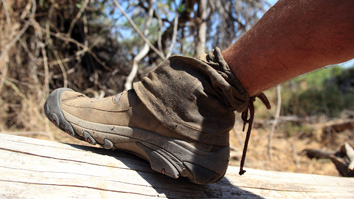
[202, 175]
[159, 163]
[169, 164]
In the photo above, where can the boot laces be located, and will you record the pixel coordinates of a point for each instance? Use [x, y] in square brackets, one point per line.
[249, 120]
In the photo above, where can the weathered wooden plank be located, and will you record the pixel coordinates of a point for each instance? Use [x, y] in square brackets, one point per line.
[32, 168]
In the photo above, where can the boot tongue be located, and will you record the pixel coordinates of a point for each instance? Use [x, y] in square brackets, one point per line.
[249, 120]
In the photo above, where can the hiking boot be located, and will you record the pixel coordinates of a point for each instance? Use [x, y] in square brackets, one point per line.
[178, 117]
[122, 122]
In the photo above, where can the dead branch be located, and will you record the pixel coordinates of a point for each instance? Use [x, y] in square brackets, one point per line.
[317, 154]
[143, 52]
[17, 91]
[159, 34]
[62, 68]
[131, 22]
[343, 159]
[174, 35]
[4, 54]
[8, 20]
[277, 113]
[338, 125]
[46, 69]
[77, 17]
[342, 167]
[349, 151]
[4, 71]
[18, 36]
[85, 49]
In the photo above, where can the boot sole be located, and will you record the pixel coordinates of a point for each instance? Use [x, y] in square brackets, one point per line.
[169, 156]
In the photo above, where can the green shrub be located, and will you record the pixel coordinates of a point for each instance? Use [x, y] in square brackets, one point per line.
[327, 91]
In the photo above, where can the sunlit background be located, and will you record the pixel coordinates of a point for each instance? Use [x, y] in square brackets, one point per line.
[90, 45]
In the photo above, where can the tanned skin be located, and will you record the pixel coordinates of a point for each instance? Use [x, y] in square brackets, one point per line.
[292, 38]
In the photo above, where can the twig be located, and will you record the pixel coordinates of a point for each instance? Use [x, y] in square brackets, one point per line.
[55, 52]
[17, 91]
[46, 68]
[142, 53]
[20, 33]
[18, 36]
[77, 17]
[13, 41]
[159, 34]
[174, 35]
[24, 45]
[132, 74]
[131, 22]
[84, 48]
[16, 81]
[69, 58]
[26, 10]
[62, 68]
[4, 72]
[84, 20]
[277, 113]
[7, 14]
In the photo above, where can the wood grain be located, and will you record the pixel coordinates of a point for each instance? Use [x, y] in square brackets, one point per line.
[32, 168]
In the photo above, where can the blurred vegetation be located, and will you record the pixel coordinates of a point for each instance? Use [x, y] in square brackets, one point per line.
[89, 45]
[326, 91]
[50, 44]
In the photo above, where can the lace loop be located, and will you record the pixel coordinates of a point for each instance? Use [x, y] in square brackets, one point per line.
[249, 120]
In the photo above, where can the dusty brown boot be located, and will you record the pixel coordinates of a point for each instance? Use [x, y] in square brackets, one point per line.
[177, 118]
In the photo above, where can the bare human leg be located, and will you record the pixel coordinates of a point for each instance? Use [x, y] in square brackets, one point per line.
[292, 38]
